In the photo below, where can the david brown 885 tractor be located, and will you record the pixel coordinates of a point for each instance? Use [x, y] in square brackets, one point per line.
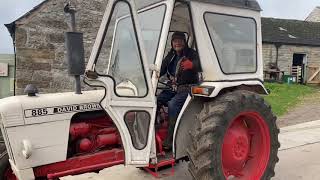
[225, 129]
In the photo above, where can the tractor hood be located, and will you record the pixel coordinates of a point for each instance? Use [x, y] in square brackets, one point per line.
[23, 110]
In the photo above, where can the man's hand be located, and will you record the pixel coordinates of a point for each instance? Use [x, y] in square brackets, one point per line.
[154, 68]
[186, 65]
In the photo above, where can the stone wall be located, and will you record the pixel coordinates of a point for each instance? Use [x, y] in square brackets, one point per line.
[286, 55]
[40, 43]
[314, 16]
[268, 54]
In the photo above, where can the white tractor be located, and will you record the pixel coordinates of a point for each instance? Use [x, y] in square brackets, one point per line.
[225, 129]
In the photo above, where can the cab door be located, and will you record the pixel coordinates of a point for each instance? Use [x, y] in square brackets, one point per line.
[118, 64]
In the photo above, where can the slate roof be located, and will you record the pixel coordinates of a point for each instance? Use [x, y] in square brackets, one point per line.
[293, 32]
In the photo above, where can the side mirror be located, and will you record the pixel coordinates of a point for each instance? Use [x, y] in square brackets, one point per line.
[75, 53]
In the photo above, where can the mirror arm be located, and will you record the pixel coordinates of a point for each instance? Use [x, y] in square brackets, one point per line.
[91, 74]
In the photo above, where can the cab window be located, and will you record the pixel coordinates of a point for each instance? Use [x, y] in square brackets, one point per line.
[234, 41]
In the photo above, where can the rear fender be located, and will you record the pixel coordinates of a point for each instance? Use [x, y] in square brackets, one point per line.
[185, 123]
[220, 87]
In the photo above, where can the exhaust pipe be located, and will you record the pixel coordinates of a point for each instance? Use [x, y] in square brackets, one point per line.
[75, 49]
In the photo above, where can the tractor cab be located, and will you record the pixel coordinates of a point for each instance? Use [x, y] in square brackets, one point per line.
[227, 37]
[127, 56]
[135, 36]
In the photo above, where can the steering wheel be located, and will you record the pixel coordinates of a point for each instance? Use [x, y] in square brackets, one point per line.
[166, 85]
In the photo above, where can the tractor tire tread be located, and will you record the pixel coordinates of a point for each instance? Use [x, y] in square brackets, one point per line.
[210, 124]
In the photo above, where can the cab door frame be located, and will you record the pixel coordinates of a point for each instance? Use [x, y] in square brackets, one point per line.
[117, 106]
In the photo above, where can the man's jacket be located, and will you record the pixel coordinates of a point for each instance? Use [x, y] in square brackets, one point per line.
[183, 77]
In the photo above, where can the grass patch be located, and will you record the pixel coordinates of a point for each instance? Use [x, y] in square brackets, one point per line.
[283, 96]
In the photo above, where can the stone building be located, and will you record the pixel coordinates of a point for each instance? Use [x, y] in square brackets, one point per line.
[292, 44]
[39, 42]
[40, 53]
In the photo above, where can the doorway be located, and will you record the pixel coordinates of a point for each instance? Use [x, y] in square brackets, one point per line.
[299, 67]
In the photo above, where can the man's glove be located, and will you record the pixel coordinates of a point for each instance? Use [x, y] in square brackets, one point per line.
[186, 65]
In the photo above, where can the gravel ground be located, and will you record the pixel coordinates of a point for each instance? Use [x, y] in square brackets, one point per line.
[307, 110]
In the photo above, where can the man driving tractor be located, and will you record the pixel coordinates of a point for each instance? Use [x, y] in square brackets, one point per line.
[181, 65]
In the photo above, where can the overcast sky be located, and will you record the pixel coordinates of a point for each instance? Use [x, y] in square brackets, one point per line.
[288, 9]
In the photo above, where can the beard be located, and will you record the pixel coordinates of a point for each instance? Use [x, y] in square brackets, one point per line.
[178, 48]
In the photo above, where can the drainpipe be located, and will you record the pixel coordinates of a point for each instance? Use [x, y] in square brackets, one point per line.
[12, 30]
[15, 67]
[277, 45]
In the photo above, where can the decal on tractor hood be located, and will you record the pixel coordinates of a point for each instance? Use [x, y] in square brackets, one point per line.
[61, 109]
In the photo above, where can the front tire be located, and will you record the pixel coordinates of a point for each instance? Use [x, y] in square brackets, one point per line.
[5, 168]
[236, 137]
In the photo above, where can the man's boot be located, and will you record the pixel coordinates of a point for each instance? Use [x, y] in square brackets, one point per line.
[167, 143]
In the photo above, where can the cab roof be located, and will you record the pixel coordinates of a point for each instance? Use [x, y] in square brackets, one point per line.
[246, 4]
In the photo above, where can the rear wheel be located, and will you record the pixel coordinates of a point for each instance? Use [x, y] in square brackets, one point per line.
[236, 138]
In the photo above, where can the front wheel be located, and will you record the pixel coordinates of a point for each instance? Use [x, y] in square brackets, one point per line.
[5, 168]
[236, 138]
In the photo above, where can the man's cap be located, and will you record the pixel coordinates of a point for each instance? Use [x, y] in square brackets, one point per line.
[178, 35]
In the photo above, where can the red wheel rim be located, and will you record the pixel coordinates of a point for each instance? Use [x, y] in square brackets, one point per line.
[246, 147]
[9, 175]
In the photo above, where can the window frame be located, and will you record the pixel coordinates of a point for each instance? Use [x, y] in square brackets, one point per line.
[213, 45]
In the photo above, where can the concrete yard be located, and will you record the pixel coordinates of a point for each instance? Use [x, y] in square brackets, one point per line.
[299, 159]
